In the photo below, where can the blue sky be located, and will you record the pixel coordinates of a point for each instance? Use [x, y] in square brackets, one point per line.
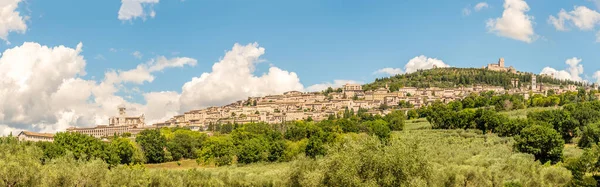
[321, 41]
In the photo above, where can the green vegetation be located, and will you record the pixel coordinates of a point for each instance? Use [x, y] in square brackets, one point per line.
[453, 77]
[472, 142]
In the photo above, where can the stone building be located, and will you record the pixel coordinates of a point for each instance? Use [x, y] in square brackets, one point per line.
[533, 82]
[117, 125]
[35, 137]
[123, 119]
[500, 67]
[350, 90]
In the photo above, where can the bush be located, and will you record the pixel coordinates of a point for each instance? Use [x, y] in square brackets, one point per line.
[590, 135]
[153, 144]
[217, 150]
[541, 141]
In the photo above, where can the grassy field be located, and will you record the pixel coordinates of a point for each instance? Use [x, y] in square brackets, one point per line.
[417, 124]
[185, 164]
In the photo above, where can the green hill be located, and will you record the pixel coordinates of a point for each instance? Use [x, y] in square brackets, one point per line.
[454, 77]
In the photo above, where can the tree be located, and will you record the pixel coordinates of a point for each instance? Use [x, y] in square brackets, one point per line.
[543, 142]
[511, 127]
[125, 150]
[86, 147]
[217, 150]
[19, 164]
[395, 120]
[585, 168]
[277, 150]
[488, 120]
[379, 128]
[50, 151]
[590, 135]
[185, 143]
[226, 128]
[252, 150]
[412, 114]
[153, 144]
[315, 147]
[383, 107]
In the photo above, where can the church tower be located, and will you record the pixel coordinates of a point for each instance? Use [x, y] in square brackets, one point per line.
[501, 62]
[533, 82]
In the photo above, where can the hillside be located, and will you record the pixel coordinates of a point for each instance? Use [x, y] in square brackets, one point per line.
[452, 77]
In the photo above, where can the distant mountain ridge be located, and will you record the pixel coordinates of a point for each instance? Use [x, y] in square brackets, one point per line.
[456, 77]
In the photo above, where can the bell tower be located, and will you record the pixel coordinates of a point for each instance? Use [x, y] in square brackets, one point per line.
[121, 110]
[501, 62]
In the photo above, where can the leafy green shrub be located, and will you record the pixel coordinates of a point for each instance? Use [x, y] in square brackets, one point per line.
[541, 141]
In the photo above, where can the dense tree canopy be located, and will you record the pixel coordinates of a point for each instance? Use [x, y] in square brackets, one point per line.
[153, 144]
[543, 142]
[452, 77]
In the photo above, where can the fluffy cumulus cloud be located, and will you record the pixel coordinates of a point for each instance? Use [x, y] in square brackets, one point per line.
[41, 89]
[10, 19]
[132, 9]
[573, 71]
[389, 71]
[596, 76]
[334, 84]
[422, 62]
[581, 17]
[514, 23]
[232, 79]
[161, 106]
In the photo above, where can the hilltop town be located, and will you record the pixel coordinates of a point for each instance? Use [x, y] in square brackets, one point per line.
[296, 105]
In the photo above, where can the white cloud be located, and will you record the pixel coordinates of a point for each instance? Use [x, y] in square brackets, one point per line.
[132, 9]
[143, 72]
[597, 76]
[422, 62]
[480, 6]
[389, 71]
[162, 62]
[45, 90]
[573, 72]
[161, 106]
[30, 74]
[137, 54]
[581, 17]
[514, 23]
[334, 84]
[41, 89]
[5, 130]
[10, 19]
[232, 79]
[112, 50]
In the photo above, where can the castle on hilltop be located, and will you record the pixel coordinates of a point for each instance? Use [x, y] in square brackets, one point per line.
[500, 67]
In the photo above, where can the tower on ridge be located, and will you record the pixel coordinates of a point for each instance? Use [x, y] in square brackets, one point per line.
[121, 110]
